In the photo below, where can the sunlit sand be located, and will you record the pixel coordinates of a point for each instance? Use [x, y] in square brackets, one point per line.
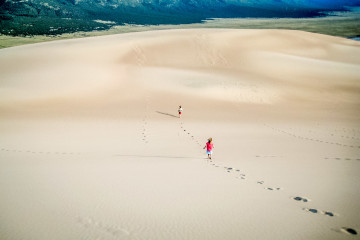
[92, 147]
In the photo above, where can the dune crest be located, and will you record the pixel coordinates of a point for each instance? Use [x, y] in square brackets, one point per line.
[245, 66]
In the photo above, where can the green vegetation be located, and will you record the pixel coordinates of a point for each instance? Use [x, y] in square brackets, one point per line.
[53, 17]
[342, 26]
[29, 26]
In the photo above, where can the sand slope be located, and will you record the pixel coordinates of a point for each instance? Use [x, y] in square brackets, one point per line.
[91, 146]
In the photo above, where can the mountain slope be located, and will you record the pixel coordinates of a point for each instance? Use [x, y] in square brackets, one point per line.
[36, 17]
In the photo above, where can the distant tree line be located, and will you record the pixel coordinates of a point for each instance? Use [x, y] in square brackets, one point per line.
[42, 17]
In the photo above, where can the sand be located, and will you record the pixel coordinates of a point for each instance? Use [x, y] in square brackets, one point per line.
[92, 147]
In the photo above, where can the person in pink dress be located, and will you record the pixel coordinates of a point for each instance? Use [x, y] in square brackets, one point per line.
[209, 147]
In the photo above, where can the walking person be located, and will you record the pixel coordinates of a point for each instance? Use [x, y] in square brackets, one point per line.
[180, 111]
[209, 147]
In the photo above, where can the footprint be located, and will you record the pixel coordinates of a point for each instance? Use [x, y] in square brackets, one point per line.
[112, 230]
[329, 214]
[260, 182]
[349, 231]
[347, 159]
[272, 188]
[300, 199]
[313, 210]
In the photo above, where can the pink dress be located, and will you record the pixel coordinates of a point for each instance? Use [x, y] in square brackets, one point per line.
[209, 147]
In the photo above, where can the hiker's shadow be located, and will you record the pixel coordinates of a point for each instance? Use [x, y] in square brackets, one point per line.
[168, 114]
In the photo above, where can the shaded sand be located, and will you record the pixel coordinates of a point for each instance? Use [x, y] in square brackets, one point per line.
[91, 146]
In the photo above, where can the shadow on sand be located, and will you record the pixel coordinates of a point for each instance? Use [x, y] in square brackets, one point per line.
[168, 114]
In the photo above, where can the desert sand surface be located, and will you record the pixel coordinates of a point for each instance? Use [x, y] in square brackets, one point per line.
[91, 145]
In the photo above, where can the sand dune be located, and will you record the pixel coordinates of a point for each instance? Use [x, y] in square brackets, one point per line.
[92, 147]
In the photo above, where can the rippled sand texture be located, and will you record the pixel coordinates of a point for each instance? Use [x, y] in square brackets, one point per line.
[91, 145]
